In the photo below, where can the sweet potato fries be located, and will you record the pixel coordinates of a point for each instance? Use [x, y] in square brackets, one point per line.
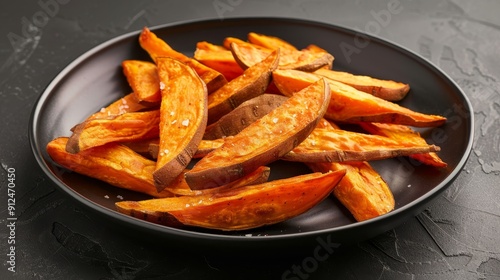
[198, 133]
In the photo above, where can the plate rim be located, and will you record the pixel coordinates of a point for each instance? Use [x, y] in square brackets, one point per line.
[179, 232]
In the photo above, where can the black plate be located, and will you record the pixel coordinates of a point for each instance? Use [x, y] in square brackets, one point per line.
[95, 79]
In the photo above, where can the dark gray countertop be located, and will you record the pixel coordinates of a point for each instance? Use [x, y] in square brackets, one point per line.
[455, 237]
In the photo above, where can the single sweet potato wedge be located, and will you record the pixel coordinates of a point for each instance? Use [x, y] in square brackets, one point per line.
[221, 61]
[405, 135]
[269, 42]
[259, 176]
[327, 145]
[248, 55]
[242, 116]
[241, 208]
[183, 112]
[122, 128]
[112, 163]
[385, 89]
[263, 141]
[350, 105]
[143, 79]
[362, 190]
[252, 83]
[157, 47]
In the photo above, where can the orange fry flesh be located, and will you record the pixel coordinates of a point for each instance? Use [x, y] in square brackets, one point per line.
[157, 47]
[247, 55]
[183, 113]
[241, 208]
[126, 104]
[113, 163]
[143, 79]
[351, 105]
[327, 145]
[406, 135]
[252, 83]
[122, 128]
[221, 61]
[263, 141]
[362, 190]
[270, 42]
[385, 89]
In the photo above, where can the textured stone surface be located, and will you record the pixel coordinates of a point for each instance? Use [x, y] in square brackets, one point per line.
[455, 237]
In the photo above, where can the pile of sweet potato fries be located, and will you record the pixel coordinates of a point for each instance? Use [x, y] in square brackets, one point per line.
[198, 134]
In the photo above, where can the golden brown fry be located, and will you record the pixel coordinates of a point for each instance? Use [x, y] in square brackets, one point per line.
[143, 79]
[406, 136]
[126, 104]
[327, 145]
[219, 60]
[249, 130]
[156, 48]
[122, 128]
[204, 45]
[183, 119]
[269, 42]
[351, 105]
[362, 190]
[385, 89]
[241, 208]
[112, 163]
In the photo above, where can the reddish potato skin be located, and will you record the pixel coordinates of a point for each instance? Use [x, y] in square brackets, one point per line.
[264, 141]
[259, 176]
[252, 83]
[242, 116]
[247, 55]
